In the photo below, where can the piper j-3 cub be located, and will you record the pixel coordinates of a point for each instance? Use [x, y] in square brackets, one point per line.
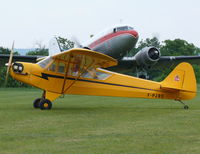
[79, 71]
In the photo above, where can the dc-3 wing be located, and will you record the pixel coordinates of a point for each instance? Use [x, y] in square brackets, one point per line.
[172, 61]
[130, 63]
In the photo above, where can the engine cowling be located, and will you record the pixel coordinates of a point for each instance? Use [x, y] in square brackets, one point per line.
[147, 57]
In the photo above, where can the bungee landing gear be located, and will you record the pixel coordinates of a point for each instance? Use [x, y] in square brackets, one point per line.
[42, 103]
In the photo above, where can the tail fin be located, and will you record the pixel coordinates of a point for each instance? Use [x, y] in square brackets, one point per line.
[181, 78]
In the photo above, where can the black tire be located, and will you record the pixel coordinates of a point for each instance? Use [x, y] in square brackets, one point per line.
[186, 107]
[45, 104]
[36, 103]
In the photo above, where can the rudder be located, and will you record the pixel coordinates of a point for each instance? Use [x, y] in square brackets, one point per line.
[181, 78]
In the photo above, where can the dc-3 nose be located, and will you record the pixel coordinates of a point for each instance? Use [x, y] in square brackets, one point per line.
[134, 33]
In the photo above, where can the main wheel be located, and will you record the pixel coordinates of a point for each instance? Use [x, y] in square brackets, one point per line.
[45, 104]
[36, 103]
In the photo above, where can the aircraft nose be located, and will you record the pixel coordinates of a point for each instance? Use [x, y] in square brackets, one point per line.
[17, 67]
[134, 33]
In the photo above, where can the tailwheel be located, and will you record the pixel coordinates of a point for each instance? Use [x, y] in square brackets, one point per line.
[36, 103]
[45, 104]
[186, 107]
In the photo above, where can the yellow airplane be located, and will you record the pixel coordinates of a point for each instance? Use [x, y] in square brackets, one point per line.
[79, 71]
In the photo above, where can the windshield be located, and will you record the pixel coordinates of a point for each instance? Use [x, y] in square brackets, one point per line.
[124, 28]
[43, 63]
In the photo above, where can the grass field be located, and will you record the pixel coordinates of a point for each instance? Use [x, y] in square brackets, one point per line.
[90, 124]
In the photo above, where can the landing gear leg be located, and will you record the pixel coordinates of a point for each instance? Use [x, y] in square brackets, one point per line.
[185, 106]
[142, 73]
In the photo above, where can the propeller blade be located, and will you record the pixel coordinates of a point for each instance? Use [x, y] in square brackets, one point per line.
[9, 63]
[77, 42]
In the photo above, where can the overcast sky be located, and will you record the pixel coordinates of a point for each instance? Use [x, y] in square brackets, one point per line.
[30, 21]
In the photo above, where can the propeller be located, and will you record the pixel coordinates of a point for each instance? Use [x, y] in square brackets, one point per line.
[77, 42]
[9, 64]
[154, 54]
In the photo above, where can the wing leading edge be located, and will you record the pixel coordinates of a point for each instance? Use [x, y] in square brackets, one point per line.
[163, 62]
[102, 60]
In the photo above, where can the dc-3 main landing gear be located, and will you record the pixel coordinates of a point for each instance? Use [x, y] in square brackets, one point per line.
[42, 103]
[185, 106]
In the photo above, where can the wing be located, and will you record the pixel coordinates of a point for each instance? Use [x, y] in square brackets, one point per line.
[127, 64]
[5, 57]
[172, 61]
[78, 55]
[130, 64]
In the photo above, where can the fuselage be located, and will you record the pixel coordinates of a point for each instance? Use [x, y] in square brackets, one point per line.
[115, 41]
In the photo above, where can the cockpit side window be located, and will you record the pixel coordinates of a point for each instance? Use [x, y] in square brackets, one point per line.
[93, 73]
[61, 67]
[52, 67]
[58, 67]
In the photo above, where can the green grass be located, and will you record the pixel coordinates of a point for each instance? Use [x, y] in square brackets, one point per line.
[90, 124]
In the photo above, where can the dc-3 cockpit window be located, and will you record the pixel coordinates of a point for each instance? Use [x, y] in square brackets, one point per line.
[123, 28]
[43, 63]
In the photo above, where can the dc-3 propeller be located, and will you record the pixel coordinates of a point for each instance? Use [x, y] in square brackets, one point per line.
[76, 42]
[9, 64]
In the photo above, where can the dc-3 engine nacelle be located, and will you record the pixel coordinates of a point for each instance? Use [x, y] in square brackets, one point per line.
[147, 57]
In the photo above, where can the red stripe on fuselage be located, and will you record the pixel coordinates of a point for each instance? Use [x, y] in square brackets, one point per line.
[112, 35]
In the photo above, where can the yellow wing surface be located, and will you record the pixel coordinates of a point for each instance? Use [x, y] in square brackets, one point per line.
[99, 59]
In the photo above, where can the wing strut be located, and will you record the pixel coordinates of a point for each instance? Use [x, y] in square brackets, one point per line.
[66, 71]
[79, 74]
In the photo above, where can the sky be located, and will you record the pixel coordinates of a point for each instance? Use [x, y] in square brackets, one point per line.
[28, 22]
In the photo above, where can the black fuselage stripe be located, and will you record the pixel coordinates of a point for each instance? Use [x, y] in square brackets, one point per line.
[45, 76]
